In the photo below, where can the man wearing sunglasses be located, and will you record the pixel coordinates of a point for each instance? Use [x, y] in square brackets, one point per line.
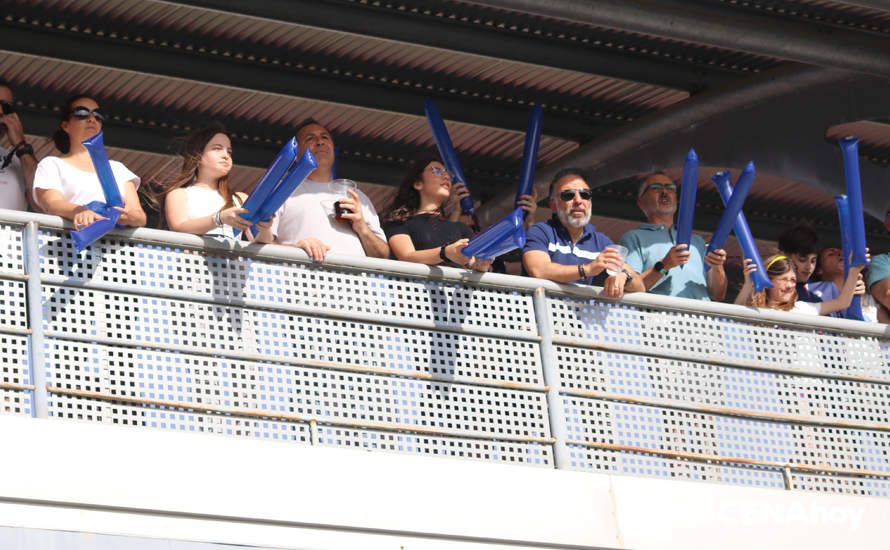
[568, 248]
[666, 267]
[17, 161]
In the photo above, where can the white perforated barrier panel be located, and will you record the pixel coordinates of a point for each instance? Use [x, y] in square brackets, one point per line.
[605, 392]
[708, 337]
[14, 364]
[11, 252]
[210, 341]
[366, 383]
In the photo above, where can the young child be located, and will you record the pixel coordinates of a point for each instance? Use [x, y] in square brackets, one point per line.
[800, 244]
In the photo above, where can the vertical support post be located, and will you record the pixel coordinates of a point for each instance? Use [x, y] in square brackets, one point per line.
[555, 410]
[313, 432]
[31, 247]
[786, 476]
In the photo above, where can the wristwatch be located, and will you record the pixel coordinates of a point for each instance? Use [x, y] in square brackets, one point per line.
[442, 254]
[24, 148]
[659, 267]
[630, 276]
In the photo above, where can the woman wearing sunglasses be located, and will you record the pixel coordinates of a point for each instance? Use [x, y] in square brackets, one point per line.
[64, 185]
[199, 200]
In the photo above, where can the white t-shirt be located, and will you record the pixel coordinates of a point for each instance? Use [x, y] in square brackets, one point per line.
[12, 183]
[303, 215]
[806, 308]
[77, 186]
[201, 201]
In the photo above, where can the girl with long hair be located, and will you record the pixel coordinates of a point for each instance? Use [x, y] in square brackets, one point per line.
[783, 295]
[416, 226]
[199, 199]
[65, 185]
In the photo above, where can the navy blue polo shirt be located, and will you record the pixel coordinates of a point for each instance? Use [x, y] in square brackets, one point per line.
[551, 237]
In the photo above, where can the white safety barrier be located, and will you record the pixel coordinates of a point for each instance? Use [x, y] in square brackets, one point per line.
[164, 330]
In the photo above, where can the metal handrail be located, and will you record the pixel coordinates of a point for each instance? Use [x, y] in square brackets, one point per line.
[700, 457]
[455, 275]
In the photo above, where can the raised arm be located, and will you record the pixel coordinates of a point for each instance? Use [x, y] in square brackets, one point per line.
[747, 290]
[716, 277]
[846, 296]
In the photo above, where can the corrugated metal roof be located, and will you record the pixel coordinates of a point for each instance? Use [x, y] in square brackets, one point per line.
[870, 133]
[301, 38]
[843, 14]
[665, 49]
[153, 30]
[212, 99]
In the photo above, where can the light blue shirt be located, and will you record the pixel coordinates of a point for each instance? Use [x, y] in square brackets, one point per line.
[879, 269]
[651, 243]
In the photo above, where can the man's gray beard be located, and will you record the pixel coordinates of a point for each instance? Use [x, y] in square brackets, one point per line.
[577, 223]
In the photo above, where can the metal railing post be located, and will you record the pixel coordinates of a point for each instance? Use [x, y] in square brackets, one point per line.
[555, 410]
[31, 247]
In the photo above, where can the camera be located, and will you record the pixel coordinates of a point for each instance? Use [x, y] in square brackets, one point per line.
[7, 107]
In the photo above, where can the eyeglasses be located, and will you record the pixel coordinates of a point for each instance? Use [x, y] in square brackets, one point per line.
[441, 172]
[7, 107]
[569, 194]
[660, 186]
[82, 113]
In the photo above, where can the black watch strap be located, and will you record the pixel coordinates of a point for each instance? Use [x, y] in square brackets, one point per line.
[24, 149]
[659, 267]
[442, 254]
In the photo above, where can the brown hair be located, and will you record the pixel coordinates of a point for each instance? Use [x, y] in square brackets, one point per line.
[776, 266]
[407, 199]
[193, 149]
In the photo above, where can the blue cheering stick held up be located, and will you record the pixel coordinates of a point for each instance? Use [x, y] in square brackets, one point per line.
[743, 233]
[509, 232]
[278, 183]
[688, 188]
[447, 153]
[289, 184]
[733, 208]
[91, 233]
[530, 152]
[269, 181]
[856, 225]
[854, 310]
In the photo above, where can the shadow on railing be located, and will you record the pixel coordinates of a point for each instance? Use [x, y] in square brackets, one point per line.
[158, 329]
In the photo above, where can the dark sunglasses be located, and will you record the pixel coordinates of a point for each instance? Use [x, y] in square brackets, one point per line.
[569, 194]
[660, 186]
[82, 113]
[7, 107]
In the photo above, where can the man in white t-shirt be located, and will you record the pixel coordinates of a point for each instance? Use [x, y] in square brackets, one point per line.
[305, 219]
[17, 161]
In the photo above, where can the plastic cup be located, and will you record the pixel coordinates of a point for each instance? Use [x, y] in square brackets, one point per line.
[616, 269]
[340, 188]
